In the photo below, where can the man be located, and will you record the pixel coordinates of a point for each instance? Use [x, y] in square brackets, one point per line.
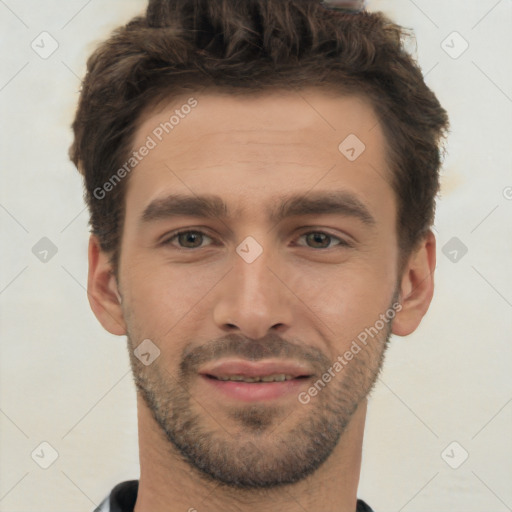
[261, 178]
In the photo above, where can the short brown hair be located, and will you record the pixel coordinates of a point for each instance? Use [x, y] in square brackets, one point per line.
[250, 46]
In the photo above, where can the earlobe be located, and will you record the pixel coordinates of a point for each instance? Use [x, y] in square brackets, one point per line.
[102, 291]
[417, 286]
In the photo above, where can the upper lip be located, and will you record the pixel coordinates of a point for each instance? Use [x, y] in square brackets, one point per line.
[230, 367]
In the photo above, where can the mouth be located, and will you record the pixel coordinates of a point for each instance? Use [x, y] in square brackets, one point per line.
[278, 377]
[249, 381]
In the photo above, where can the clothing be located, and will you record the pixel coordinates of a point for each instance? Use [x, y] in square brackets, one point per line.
[124, 495]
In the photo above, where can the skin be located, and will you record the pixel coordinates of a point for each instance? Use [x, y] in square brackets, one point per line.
[311, 300]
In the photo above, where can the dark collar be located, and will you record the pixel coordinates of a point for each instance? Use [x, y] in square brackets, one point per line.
[124, 496]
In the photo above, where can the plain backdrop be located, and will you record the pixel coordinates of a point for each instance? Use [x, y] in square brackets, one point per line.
[438, 435]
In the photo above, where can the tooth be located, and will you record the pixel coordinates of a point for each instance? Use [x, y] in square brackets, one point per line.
[281, 377]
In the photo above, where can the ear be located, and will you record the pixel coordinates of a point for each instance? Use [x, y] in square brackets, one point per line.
[417, 286]
[102, 291]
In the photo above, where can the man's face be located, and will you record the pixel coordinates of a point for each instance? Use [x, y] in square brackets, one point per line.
[252, 294]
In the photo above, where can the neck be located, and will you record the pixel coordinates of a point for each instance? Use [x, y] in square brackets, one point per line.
[168, 484]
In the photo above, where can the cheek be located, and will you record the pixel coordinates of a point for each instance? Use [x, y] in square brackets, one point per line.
[161, 296]
[346, 297]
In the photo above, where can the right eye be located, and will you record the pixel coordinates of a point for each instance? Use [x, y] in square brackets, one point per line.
[188, 239]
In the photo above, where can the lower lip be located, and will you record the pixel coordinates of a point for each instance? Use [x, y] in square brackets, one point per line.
[256, 391]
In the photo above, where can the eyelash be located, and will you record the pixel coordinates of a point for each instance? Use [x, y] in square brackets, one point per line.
[175, 235]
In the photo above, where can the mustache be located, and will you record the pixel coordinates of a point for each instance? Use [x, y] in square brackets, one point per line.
[271, 346]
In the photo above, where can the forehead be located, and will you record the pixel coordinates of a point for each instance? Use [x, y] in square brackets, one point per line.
[252, 146]
[314, 116]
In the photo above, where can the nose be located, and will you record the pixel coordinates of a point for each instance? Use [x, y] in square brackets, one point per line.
[252, 298]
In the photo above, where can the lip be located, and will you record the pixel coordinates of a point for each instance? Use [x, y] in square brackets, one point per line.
[255, 391]
[246, 368]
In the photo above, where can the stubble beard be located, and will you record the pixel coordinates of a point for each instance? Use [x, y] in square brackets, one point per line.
[252, 450]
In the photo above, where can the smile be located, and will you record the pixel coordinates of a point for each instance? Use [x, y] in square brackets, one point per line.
[280, 377]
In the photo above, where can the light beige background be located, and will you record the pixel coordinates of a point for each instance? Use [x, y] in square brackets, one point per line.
[67, 382]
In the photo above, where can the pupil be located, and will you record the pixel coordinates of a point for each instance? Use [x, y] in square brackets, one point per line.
[317, 238]
[189, 237]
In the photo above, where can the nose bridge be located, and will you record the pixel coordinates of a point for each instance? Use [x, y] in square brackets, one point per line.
[253, 275]
[253, 279]
[253, 299]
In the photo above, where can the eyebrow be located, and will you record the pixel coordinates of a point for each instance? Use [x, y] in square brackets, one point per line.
[212, 206]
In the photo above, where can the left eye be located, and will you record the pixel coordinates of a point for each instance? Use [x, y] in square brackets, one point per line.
[319, 238]
[192, 239]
